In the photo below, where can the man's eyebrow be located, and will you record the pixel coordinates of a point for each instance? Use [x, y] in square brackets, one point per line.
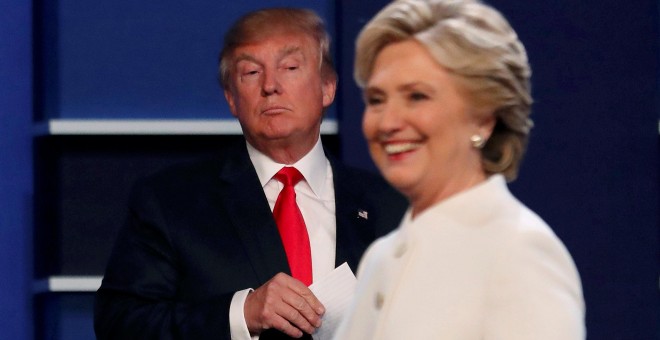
[245, 57]
[283, 53]
[290, 49]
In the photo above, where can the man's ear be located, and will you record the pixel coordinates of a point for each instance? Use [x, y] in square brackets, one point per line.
[328, 89]
[230, 100]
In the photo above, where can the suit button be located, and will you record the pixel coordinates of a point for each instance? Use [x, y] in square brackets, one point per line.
[379, 300]
[400, 250]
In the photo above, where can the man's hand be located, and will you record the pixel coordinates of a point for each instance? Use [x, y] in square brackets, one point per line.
[283, 303]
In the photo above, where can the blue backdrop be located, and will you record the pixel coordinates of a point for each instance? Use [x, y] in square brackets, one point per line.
[15, 169]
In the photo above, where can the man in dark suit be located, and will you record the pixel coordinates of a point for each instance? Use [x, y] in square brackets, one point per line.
[200, 256]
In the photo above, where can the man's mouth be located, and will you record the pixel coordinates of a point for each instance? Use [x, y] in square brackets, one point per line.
[271, 110]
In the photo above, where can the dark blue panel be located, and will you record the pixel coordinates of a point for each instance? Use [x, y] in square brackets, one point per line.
[351, 17]
[66, 316]
[591, 170]
[140, 59]
[15, 170]
[76, 320]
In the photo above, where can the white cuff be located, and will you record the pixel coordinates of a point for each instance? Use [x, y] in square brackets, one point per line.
[237, 324]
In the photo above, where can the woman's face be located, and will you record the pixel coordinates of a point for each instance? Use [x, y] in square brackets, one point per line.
[418, 125]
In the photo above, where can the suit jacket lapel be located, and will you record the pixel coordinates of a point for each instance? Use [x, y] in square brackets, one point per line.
[350, 229]
[251, 217]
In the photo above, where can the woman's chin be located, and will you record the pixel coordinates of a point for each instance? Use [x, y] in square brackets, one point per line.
[399, 180]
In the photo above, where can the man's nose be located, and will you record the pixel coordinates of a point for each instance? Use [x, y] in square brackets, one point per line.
[271, 84]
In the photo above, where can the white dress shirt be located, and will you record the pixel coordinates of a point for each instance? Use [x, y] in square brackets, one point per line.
[315, 196]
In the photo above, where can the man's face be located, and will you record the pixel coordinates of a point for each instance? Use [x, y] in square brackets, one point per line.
[277, 92]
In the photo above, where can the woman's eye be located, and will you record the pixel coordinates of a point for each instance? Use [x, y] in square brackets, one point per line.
[373, 100]
[417, 96]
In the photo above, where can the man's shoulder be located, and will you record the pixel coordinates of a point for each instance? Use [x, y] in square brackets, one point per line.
[348, 175]
[178, 180]
[368, 184]
[198, 171]
[193, 168]
[378, 201]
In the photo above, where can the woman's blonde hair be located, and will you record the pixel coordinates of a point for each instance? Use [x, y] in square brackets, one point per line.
[475, 43]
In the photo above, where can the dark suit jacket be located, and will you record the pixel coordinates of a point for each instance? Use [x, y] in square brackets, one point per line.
[197, 233]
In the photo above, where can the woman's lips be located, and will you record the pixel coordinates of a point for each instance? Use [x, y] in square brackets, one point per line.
[394, 148]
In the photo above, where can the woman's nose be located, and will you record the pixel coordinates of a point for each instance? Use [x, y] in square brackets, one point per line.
[390, 118]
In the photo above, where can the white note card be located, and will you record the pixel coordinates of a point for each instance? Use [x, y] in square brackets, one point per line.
[335, 292]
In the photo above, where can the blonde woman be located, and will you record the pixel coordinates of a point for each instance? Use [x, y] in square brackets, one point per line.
[446, 86]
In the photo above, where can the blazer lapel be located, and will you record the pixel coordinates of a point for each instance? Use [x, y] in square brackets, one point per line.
[251, 217]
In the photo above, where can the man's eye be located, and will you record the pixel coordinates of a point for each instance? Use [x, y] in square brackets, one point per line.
[291, 68]
[250, 72]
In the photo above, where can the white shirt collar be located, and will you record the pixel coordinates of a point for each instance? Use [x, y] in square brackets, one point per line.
[313, 166]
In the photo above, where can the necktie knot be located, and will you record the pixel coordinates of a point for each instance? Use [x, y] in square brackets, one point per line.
[289, 176]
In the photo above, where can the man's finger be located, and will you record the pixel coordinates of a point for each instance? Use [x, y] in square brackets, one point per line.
[300, 313]
[313, 302]
[302, 290]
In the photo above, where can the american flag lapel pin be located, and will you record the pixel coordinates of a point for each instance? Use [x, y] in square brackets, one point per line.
[363, 214]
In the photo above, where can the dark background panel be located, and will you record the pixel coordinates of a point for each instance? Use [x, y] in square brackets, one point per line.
[82, 185]
[64, 316]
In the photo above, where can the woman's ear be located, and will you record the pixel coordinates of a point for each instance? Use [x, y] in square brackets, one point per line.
[486, 124]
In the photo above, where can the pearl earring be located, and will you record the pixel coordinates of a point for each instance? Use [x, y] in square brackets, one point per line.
[477, 141]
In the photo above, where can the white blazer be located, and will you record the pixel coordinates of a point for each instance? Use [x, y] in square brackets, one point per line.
[478, 265]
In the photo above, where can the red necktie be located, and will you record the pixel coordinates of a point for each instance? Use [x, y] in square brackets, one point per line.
[292, 228]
